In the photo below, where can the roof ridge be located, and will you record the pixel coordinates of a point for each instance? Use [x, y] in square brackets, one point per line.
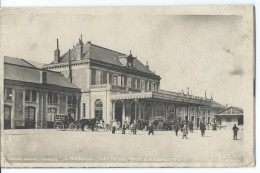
[107, 49]
[36, 68]
[28, 62]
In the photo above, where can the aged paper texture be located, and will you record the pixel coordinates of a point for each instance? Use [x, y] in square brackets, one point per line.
[127, 87]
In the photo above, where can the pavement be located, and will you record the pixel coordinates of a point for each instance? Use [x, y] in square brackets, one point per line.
[49, 145]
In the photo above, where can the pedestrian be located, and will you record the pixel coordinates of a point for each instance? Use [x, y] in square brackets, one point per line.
[235, 129]
[150, 128]
[181, 125]
[185, 131]
[114, 124]
[202, 129]
[124, 127]
[176, 128]
[134, 127]
[191, 127]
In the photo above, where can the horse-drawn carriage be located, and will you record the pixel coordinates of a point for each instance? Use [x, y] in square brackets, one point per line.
[64, 122]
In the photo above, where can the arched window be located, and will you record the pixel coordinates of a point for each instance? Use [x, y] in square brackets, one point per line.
[98, 109]
[30, 117]
[159, 111]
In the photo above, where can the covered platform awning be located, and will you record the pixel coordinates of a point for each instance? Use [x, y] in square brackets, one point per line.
[163, 96]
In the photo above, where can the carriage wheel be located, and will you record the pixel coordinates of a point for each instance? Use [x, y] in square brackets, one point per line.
[73, 126]
[58, 125]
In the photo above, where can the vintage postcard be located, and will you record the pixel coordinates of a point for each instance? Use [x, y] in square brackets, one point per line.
[127, 87]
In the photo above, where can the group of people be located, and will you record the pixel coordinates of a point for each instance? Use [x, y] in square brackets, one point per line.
[184, 126]
[132, 127]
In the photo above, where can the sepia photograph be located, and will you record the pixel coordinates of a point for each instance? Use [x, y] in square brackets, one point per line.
[127, 87]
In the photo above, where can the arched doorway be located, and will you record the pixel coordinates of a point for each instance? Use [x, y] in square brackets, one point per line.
[118, 111]
[98, 110]
[147, 111]
[171, 113]
[7, 117]
[30, 117]
[134, 109]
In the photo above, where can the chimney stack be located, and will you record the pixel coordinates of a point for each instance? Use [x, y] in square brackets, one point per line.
[79, 49]
[147, 65]
[57, 53]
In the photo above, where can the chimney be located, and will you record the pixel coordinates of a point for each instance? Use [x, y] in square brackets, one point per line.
[57, 53]
[188, 91]
[226, 105]
[147, 64]
[205, 94]
[79, 49]
[43, 77]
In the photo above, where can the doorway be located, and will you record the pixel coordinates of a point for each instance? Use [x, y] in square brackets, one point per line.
[7, 117]
[118, 111]
[29, 117]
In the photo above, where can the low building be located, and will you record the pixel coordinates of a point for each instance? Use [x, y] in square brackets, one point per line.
[230, 116]
[33, 95]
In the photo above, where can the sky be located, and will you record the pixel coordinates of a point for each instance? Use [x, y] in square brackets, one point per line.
[202, 52]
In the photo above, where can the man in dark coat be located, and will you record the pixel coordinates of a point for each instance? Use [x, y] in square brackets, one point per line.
[202, 129]
[150, 129]
[235, 129]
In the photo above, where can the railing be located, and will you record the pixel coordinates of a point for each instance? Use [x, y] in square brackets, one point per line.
[180, 98]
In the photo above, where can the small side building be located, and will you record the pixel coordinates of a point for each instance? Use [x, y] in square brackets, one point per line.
[230, 116]
[33, 95]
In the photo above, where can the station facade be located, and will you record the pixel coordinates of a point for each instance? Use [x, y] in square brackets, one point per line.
[117, 86]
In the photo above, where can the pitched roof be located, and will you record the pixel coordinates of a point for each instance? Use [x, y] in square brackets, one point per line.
[92, 51]
[20, 70]
[233, 111]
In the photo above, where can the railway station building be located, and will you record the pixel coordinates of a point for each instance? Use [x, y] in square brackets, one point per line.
[117, 86]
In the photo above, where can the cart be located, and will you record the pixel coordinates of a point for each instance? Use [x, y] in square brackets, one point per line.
[64, 122]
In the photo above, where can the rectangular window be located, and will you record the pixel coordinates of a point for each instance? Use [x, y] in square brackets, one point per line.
[123, 81]
[99, 77]
[142, 85]
[115, 80]
[49, 97]
[52, 97]
[74, 101]
[119, 80]
[34, 96]
[8, 94]
[129, 82]
[55, 98]
[69, 100]
[27, 95]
